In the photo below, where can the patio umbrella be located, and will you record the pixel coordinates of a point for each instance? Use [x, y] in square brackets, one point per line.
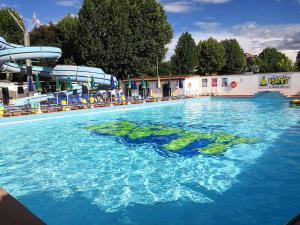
[57, 88]
[158, 85]
[147, 87]
[143, 84]
[30, 84]
[57, 85]
[180, 86]
[38, 85]
[128, 84]
[93, 84]
[118, 84]
[112, 86]
[69, 84]
[169, 88]
[134, 86]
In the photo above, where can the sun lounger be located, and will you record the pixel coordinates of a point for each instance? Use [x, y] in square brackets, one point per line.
[12, 111]
[7, 113]
[82, 106]
[54, 108]
[74, 107]
[118, 103]
[151, 99]
[98, 105]
[25, 112]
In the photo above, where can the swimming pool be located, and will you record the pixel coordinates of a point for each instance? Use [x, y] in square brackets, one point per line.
[83, 167]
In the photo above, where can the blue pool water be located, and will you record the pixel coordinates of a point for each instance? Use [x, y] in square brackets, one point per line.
[68, 175]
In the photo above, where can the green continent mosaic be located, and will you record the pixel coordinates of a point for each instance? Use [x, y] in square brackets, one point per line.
[217, 142]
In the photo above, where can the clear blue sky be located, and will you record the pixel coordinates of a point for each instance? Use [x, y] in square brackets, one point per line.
[255, 23]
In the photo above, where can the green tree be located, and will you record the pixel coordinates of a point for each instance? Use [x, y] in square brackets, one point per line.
[270, 60]
[164, 68]
[45, 35]
[63, 34]
[251, 63]
[67, 34]
[185, 58]
[211, 56]
[9, 29]
[297, 63]
[235, 60]
[123, 35]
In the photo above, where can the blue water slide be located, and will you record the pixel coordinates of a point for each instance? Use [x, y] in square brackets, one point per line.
[12, 53]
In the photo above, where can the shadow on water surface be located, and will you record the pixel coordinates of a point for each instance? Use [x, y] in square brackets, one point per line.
[267, 194]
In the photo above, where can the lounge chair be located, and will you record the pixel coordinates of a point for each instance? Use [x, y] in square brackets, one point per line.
[12, 111]
[44, 109]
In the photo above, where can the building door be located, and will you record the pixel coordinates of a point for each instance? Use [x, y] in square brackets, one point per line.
[5, 96]
[166, 90]
[141, 91]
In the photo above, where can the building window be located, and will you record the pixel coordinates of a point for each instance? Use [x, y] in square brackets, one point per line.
[2, 76]
[224, 82]
[20, 90]
[204, 82]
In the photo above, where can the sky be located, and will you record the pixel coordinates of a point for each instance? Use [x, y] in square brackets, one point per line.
[256, 24]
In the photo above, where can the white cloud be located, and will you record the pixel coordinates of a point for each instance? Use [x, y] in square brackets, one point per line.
[253, 38]
[177, 7]
[68, 3]
[281, 36]
[4, 5]
[213, 1]
[207, 25]
[182, 6]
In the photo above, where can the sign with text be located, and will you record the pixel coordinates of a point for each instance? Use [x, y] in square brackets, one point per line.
[274, 81]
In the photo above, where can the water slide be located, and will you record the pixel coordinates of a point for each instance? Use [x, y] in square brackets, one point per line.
[11, 53]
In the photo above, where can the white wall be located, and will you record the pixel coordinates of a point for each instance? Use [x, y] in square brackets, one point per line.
[246, 85]
[13, 90]
[159, 93]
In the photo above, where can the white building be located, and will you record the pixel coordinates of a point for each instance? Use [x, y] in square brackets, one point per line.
[242, 85]
[15, 90]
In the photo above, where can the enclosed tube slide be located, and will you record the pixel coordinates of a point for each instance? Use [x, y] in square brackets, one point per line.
[11, 53]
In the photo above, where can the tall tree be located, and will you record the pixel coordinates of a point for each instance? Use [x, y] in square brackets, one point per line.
[235, 60]
[251, 63]
[45, 35]
[211, 56]
[67, 34]
[270, 60]
[164, 68]
[185, 58]
[9, 29]
[297, 63]
[123, 35]
[63, 34]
